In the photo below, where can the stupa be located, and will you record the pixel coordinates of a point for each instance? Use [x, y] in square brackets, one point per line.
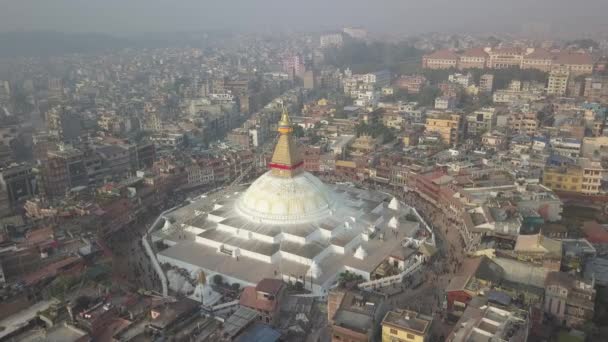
[287, 224]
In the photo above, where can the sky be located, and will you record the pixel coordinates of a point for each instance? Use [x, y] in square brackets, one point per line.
[386, 16]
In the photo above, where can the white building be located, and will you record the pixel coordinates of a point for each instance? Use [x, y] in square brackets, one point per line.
[331, 40]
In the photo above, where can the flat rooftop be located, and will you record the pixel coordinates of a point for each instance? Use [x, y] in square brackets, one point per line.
[408, 320]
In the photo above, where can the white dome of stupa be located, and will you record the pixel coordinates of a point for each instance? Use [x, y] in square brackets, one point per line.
[286, 194]
[279, 200]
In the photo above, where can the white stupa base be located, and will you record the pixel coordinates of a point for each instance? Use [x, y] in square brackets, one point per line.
[206, 295]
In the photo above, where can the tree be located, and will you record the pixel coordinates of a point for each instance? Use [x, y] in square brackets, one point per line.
[299, 286]
[428, 95]
[218, 279]
[298, 131]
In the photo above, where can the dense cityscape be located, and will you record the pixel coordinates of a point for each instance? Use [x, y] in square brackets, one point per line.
[315, 186]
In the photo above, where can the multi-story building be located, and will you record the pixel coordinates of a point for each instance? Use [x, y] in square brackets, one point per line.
[503, 58]
[564, 178]
[265, 298]
[354, 316]
[569, 299]
[510, 57]
[331, 40]
[567, 147]
[495, 140]
[17, 183]
[311, 156]
[143, 155]
[65, 169]
[464, 80]
[116, 160]
[593, 174]
[475, 58]
[442, 59]
[411, 84]
[445, 102]
[539, 59]
[576, 63]
[239, 137]
[294, 65]
[558, 81]
[596, 88]
[405, 325]
[447, 125]
[486, 83]
[595, 147]
[481, 121]
[523, 123]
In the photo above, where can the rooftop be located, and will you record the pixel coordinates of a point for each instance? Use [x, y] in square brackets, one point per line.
[408, 320]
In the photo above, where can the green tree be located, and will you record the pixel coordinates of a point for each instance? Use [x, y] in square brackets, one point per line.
[298, 131]
[427, 96]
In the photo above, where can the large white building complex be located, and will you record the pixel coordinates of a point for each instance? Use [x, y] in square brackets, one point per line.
[290, 225]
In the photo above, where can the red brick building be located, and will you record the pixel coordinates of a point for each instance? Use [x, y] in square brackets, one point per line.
[265, 298]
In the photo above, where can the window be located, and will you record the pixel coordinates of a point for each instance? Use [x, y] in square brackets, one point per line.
[410, 337]
[394, 332]
[337, 337]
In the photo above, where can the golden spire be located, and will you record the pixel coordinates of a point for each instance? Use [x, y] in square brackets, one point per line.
[286, 160]
[285, 123]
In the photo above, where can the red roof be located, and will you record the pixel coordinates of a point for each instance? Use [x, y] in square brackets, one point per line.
[540, 54]
[595, 232]
[442, 54]
[475, 52]
[566, 57]
[49, 270]
[38, 236]
[270, 286]
[508, 50]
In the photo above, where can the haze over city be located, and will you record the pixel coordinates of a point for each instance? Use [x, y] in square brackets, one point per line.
[386, 16]
[303, 171]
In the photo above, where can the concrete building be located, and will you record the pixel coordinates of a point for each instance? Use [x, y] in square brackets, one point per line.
[354, 316]
[594, 173]
[441, 59]
[65, 169]
[474, 58]
[486, 83]
[566, 178]
[18, 183]
[481, 121]
[265, 298]
[331, 40]
[405, 325]
[569, 299]
[411, 84]
[464, 80]
[490, 323]
[309, 79]
[523, 123]
[448, 126]
[445, 103]
[558, 82]
[596, 88]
